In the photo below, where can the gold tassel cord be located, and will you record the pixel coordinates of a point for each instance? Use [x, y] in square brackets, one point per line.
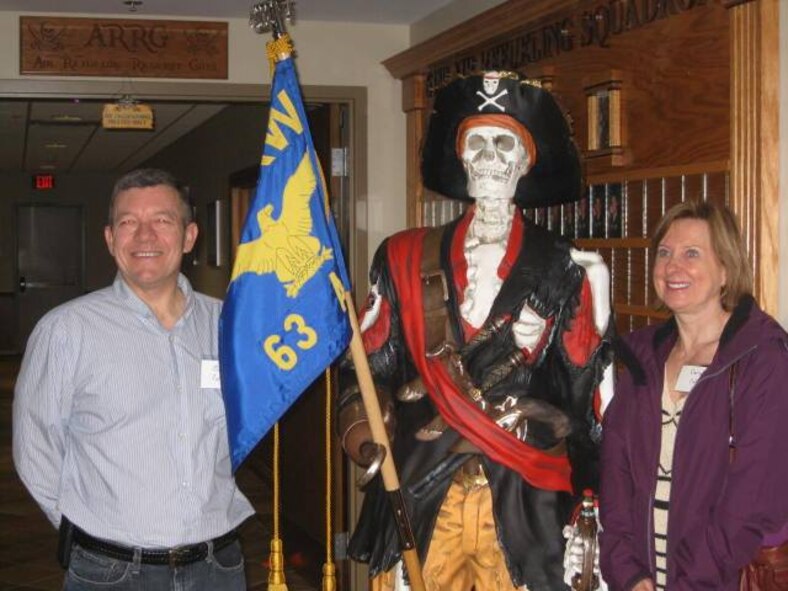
[276, 561]
[278, 49]
[329, 570]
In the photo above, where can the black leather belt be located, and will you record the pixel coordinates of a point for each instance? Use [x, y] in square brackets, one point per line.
[178, 556]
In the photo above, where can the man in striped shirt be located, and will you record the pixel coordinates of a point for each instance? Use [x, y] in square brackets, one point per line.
[118, 416]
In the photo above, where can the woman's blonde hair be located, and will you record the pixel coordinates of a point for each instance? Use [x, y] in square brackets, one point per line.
[725, 240]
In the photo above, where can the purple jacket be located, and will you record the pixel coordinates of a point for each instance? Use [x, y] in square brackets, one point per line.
[720, 512]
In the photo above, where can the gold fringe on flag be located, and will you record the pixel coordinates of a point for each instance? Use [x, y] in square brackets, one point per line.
[276, 561]
[329, 570]
[278, 49]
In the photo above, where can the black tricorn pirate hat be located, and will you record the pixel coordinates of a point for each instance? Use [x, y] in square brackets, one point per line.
[555, 178]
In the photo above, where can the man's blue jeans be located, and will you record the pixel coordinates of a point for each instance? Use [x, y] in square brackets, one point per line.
[220, 571]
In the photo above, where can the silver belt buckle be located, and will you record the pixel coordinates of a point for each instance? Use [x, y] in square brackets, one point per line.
[178, 555]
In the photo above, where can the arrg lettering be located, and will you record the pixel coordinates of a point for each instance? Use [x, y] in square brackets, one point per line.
[132, 38]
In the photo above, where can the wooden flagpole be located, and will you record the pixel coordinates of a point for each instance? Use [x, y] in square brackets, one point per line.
[388, 471]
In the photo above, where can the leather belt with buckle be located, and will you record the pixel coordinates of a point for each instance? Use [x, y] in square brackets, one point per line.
[471, 475]
[178, 556]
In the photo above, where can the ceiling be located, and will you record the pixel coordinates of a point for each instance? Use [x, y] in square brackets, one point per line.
[66, 135]
[364, 11]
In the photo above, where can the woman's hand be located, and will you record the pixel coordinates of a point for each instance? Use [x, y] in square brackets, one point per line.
[644, 585]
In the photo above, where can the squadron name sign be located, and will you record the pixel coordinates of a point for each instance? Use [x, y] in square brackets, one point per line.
[596, 25]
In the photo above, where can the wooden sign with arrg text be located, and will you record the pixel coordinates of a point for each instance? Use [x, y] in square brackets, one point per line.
[123, 47]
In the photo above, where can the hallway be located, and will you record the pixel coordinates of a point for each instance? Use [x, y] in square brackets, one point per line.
[28, 542]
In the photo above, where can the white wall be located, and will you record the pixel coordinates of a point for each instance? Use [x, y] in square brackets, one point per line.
[329, 54]
[448, 16]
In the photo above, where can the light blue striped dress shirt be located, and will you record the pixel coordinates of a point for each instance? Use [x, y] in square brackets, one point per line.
[113, 428]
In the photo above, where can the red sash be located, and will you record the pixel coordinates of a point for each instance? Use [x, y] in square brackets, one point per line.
[535, 466]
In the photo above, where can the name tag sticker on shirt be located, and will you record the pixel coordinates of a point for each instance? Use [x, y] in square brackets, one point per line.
[688, 377]
[209, 374]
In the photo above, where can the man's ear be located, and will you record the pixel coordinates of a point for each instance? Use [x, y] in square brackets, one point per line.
[109, 239]
[190, 237]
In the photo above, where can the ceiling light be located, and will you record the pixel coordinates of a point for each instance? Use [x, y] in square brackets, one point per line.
[132, 4]
[66, 118]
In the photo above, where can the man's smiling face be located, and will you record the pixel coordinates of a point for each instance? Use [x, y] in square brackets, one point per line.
[148, 237]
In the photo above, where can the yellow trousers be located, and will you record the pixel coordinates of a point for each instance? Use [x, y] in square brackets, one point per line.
[464, 553]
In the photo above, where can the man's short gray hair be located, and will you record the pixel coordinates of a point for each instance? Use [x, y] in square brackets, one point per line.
[150, 177]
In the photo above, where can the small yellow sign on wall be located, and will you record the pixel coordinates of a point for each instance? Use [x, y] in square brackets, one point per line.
[120, 116]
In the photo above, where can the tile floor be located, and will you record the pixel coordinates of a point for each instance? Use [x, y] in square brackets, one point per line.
[28, 542]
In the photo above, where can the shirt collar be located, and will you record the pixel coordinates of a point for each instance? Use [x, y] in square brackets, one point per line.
[126, 295]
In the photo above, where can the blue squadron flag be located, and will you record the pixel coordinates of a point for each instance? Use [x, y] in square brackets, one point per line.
[284, 318]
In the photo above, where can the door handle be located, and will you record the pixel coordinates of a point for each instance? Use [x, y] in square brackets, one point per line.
[22, 284]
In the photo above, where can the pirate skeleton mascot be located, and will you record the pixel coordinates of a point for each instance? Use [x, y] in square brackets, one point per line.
[486, 338]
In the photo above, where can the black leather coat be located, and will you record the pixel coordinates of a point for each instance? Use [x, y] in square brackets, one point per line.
[529, 521]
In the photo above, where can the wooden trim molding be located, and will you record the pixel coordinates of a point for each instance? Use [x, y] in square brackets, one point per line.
[495, 22]
[414, 104]
[755, 139]
[732, 3]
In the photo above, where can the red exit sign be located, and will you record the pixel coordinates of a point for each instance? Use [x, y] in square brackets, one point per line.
[42, 182]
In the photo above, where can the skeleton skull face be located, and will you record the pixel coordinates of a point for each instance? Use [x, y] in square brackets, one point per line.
[494, 159]
[490, 83]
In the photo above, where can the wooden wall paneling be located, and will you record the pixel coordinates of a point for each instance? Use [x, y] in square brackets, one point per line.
[638, 278]
[414, 103]
[619, 273]
[634, 209]
[718, 188]
[240, 198]
[673, 188]
[647, 172]
[696, 96]
[694, 187]
[754, 182]
[338, 194]
[685, 78]
[653, 191]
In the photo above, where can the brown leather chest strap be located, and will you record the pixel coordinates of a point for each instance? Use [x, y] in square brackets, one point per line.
[435, 291]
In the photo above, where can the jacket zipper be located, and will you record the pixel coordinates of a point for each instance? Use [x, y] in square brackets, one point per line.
[652, 553]
[687, 406]
[719, 371]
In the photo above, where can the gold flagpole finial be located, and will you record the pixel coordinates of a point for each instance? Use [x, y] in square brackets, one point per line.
[276, 574]
[270, 15]
[329, 577]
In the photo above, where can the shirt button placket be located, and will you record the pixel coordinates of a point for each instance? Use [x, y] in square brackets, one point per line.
[182, 451]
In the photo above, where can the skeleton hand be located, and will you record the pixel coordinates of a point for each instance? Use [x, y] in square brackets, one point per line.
[528, 328]
[530, 409]
[599, 279]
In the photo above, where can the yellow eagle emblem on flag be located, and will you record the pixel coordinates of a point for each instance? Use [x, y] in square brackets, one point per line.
[286, 246]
